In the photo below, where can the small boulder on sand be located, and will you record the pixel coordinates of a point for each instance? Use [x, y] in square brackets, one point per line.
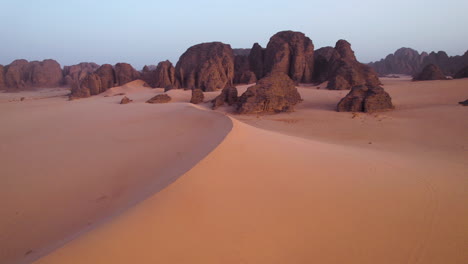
[464, 103]
[197, 96]
[125, 100]
[159, 99]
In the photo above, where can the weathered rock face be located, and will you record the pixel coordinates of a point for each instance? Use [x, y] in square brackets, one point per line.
[256, 58]
[125, 73]
[241, 52]
[45, 74]
[207, 66]
[92, 82]
[125, 100]
[291, 53]
[107, 76]
[346, 72]
[76, 73]
[430, 72]
[323, 59]
[272, 94]
[228, 95]
[159, 99]
[2, 78]
[463, 73]
[403, 61]
[164, 75]
[17, 75]
[365, 98]
[243, 75]
[197, 96]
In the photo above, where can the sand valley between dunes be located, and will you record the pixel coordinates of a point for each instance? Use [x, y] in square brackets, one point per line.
[93, 181]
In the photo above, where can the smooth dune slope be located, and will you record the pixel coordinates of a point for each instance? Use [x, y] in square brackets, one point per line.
[264, 197]
[67, 166]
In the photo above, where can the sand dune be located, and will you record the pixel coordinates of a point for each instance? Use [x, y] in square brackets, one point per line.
[266, 197]
[302, 187]
[66, 166]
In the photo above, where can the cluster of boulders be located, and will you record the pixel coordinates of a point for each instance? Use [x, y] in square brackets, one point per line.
[104, 78]
[22, 74]
[411, 62]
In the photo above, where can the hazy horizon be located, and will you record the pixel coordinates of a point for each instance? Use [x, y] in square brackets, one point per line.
[146, 32]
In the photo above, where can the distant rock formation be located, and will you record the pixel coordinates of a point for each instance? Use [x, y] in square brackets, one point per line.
[159, 99]
[197, 96]
[323, 59]
[365, 98]
[463, 73]
[291, 53]
[207, 66]
[409, 61]
[228, 95]
[241, 52]
[2, 78]
[243, 75]
[125, 73]
[273, 94]
[162, 76]
[107, 76]
[21, 74]
[76, 73]
[256, 58]
[430, 72]
[403, 61]
[125, 100]
[345, 72]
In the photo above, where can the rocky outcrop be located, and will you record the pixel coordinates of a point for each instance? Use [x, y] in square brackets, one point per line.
[243, 75]
[125, 100]
[463, 73]
[197, 96]
[107, 76]
[228, 95]
[21, 74]
[365, 98]
[464, 103]
[162, 76]
[241, 52]
[273, 94]
[291, 53]
[256, 58]
[76, 73]
[409, 61]
[2, 78]
[323, 59]
[346, 72]
[403, 61]
[159, 99]
[206, 66]
[125, 73]
[430, 72]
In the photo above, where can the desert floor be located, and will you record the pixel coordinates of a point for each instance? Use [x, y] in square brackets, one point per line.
[93, 181]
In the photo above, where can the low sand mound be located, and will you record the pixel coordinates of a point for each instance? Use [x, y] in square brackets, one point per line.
[66, 166]
[263, 197]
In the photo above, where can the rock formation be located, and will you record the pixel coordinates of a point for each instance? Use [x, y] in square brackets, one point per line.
[228, 95]
[256, 58]
[107, 76]
[464, 103]
[125, 100]
[197, 96]
[273, 94]
[2, 78]
[243, 74]
[159, 99]
[346, 72]
[463, 73]
[207, 66]
[365, 98]
[21, 74]
[323, 59]
[125, 73]
[430, 72]
[76, 73]
[291, 53]
[163, 75]
[403, 61]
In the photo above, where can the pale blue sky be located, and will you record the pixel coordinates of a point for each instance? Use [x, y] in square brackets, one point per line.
[145, 32]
